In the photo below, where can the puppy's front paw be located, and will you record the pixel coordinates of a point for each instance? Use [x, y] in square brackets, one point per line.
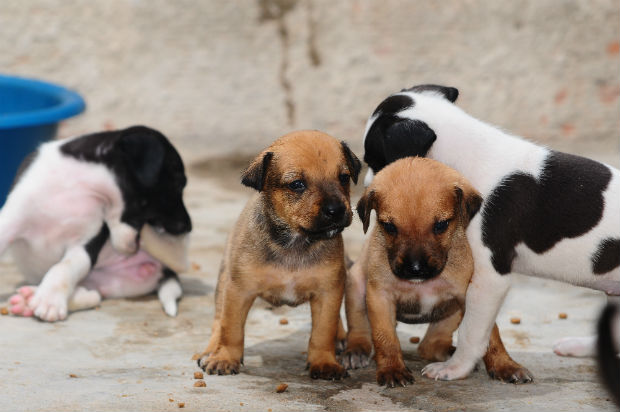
[219, 363]
[48, 304]
[393, 376]
[446, 371]
[124, 239]
[577, 347]
[328, 371]
[512, 372]
[356, 355]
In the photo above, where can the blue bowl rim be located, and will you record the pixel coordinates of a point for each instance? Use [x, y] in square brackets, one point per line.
[70, 104]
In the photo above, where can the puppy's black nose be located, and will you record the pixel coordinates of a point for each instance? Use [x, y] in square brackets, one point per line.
[415, 268]
[333, 210]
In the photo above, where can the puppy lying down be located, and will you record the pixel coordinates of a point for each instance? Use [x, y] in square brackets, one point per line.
[97, 216]
[116, 275]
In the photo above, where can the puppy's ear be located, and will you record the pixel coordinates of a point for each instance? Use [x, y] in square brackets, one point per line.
[353, 163]
[450, 93]
[365, 205]
[145, 154]
[254, 175]
[468, 201]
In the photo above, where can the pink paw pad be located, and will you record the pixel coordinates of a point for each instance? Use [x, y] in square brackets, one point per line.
[18, 303]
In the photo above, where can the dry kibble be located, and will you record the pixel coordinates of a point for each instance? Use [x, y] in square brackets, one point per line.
[195, 266]
[181, 404]
[4, 311]
[562, 315]
[241, 403]
[515, 321]
[198, 375]
[269, 410]
[171, 400]
[281, 387]
[199, 384]
[283, 321]
[72, 375]
[414, 339]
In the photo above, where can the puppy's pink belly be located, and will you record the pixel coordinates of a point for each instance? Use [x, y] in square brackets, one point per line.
[119, 276]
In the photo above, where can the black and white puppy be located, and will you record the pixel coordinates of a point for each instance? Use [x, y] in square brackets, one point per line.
[545, 213]
[73, 217]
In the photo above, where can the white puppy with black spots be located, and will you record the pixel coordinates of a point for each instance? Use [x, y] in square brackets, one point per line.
[545, 213]
[73, 217]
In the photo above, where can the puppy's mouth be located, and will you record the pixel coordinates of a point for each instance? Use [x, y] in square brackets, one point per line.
[324, 233]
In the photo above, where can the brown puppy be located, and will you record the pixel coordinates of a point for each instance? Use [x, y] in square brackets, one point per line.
[287, 248]
[415, 267]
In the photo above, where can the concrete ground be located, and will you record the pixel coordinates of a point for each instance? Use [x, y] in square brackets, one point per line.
[127, 355]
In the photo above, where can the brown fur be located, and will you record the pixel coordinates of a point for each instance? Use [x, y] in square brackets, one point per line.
[276, 251]
[414, 194]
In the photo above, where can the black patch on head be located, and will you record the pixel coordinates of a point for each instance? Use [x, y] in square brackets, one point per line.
[392, 137]
[566, 202]
[254, 176]
[607, 256]
[353, 162]
[394, 104]
[148, 170]
[94, 246]
[450, 93]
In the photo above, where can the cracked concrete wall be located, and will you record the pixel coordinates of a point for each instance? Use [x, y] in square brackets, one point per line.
[227, 77]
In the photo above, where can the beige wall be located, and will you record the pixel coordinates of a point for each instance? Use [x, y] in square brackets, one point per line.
[226, 76]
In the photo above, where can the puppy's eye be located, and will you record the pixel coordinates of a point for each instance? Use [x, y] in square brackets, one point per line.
[389, 228]
[441, 226]
[344, 179]
[297, 186]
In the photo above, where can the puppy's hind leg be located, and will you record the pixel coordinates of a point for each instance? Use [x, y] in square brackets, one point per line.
[169, 292]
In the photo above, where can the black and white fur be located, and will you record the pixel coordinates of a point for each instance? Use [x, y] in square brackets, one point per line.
[79, 202]
[545, 213]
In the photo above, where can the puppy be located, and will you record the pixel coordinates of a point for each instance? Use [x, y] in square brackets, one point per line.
[545, 213]
[287, 248]
[74, 214]
[415, 268]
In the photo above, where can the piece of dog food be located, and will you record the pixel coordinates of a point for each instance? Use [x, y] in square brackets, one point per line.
[72, 375]
[283, 321]
[195, 266]
[170, 400]
[281, 387]
[181, 404]
[414, 339]
[515, 321]
[198, 375]
[562, 315]
[4, 311]
[199, 384]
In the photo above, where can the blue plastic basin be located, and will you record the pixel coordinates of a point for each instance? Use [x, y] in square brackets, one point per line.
[30, 111]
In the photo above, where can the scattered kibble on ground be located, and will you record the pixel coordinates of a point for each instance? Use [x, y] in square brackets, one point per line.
[199, 384]
[414, 339]
[198, 375]
[72, 375]
[281, 387]
[181, 404]
[283, 321]
[4, 311]
[562, 315]
[515, 321]
[170, 399]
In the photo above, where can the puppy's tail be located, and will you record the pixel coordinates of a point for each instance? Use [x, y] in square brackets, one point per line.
[607, 350]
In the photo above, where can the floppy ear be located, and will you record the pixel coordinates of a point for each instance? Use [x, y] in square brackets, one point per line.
[468, 200]
[353, 163]
[145, 154]
[406, 138]
[254, 175]
[365, 206]
[450, 93]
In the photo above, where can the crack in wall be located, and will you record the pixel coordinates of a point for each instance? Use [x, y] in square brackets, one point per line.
[277, 10]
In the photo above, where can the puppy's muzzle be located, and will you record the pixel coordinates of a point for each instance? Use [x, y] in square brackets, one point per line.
[331, 220]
